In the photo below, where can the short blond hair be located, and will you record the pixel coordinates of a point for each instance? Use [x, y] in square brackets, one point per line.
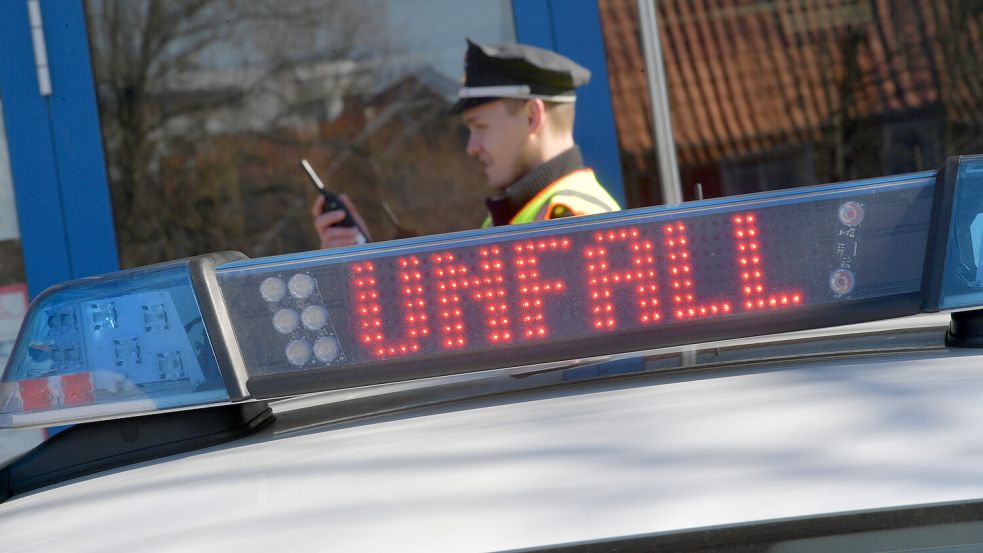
[561, 114]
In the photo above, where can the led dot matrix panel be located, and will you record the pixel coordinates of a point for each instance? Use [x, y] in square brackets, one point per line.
[598, 285]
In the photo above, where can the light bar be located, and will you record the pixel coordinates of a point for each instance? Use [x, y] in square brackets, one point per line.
[583, 287]
[126, 343]
[197, 332]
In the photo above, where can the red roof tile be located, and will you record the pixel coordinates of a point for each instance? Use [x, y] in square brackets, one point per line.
[746, 76]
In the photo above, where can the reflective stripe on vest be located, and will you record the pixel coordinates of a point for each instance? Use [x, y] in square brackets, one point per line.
[578, 193]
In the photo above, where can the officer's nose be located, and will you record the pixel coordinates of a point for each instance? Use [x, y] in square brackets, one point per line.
[474, 146]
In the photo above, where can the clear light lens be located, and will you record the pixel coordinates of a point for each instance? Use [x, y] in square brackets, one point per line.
[326, 349]
[154, 317]
[62, 320]
[170, 366]
[314, 317]
[130, 342]
[58, 355]
[127, 352]
[298, 352]
[103, 316]
[286, 321]
[273, 289]
[301, 285]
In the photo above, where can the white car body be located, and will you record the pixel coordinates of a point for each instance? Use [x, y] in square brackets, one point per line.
[722, 444]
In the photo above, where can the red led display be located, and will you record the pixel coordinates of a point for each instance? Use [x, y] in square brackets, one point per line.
[534, 286]
[577, 289]
[638, 273]
[530, 290]
[490, 293]
[682, 278]
[369, 315]
[752, 268]
[452, 281]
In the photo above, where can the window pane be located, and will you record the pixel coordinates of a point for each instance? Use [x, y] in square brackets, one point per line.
[13, 284]
[769, 95]
[208, 106]
[13, 291]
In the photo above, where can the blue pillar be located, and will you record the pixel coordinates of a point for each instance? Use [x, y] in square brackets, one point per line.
[573, 28]
[56, 154]
[77, 136]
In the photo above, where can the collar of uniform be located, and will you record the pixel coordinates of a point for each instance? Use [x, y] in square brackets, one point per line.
[504, 206]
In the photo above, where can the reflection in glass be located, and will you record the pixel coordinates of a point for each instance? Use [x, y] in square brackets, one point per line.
[13, 292]
[769, 95]
[13, 287]
[11, 259]
[207, 107]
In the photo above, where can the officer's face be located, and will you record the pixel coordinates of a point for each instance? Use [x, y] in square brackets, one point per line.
[499, 139]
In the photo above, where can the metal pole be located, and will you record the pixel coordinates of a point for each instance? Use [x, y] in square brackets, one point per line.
[665, 146]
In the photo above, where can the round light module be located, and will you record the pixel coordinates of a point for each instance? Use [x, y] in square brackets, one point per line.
[851, 214]
[301, 285]
[842, 281]
[286, 321]
[314, 317]
[326, 349]
[298, 352]
[273, 289]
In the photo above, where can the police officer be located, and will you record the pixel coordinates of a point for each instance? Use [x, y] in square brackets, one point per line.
[518, 104]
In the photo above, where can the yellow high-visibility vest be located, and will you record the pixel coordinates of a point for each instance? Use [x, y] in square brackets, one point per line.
[577, 193]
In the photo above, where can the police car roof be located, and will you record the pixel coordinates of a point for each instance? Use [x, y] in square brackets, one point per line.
[657, 453]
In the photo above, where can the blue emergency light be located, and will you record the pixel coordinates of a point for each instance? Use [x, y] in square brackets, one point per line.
[221, 328]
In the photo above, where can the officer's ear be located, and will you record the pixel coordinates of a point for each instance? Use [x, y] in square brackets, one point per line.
[535, 114]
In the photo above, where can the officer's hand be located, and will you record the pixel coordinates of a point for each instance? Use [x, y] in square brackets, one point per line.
[334, 236]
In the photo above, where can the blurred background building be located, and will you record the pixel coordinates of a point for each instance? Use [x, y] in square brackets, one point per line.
[768, 94]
